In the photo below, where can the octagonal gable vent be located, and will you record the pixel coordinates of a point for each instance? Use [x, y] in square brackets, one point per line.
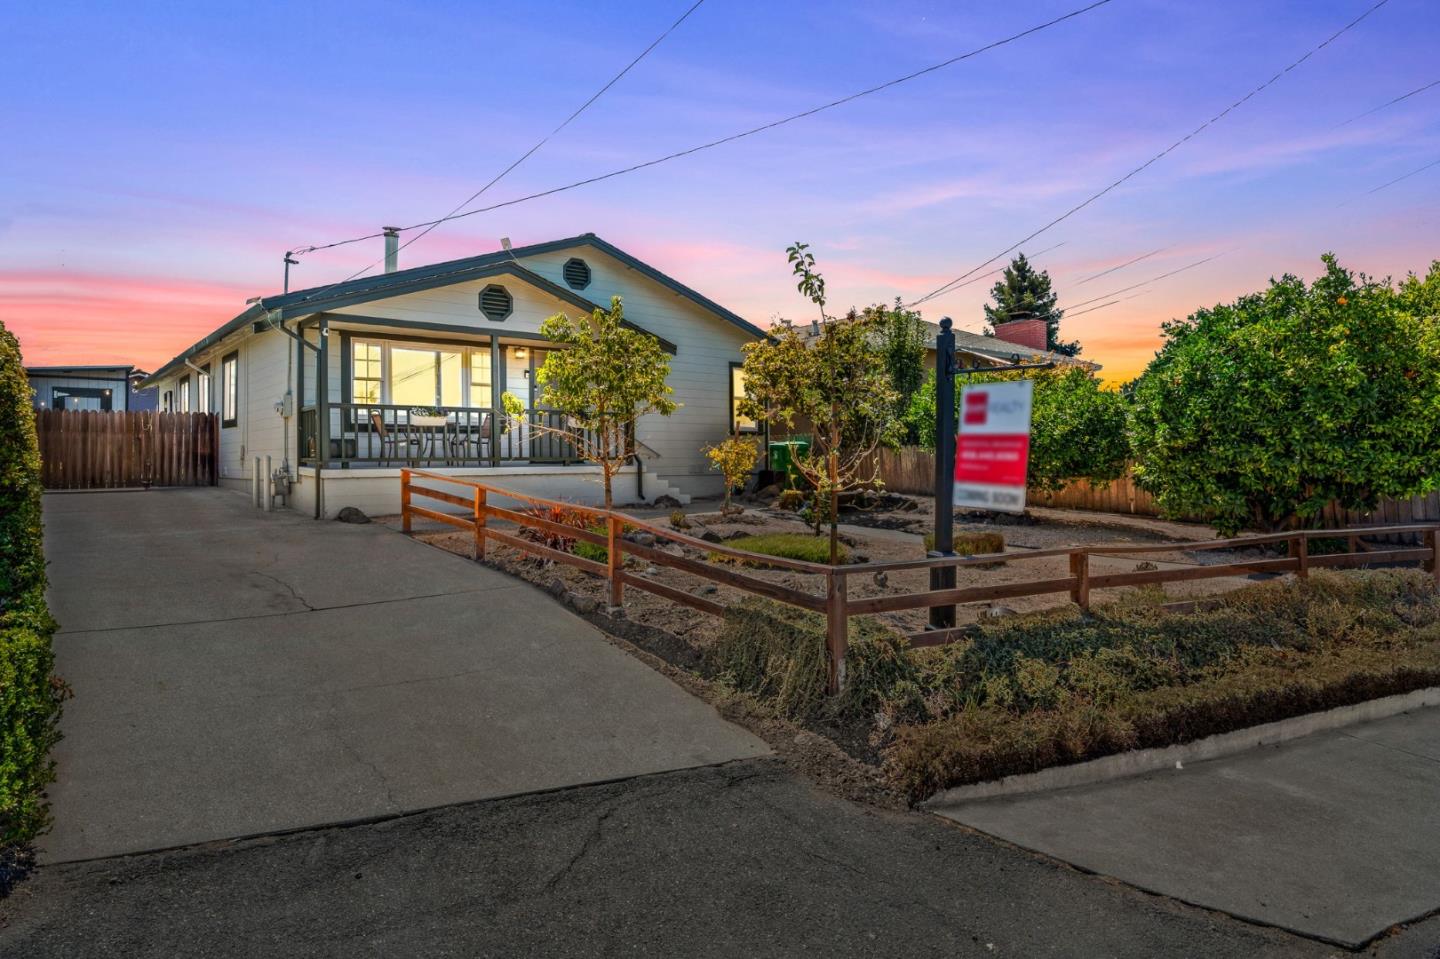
[577, 273]
[496, 302]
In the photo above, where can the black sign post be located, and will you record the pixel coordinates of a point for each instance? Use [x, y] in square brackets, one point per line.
[946, 369]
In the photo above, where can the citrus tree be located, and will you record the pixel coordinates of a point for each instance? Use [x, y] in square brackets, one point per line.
[839, 388]
[1077, 427]
[603, 377]
[1260, 412]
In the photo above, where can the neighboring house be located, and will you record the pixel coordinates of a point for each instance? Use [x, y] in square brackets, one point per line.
[323, 380]
[1014, 342]
[88, 388]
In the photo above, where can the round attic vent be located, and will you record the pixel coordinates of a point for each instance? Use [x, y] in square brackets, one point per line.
[577, 273]
[496, 302]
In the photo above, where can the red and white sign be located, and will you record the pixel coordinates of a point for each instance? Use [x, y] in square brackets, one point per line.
[992, 450]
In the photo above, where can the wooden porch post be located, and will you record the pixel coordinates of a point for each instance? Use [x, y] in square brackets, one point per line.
[479, 523]
[497, 408]
[322, 414]
[1302, 556]
[615, 530]
[1080, 569]
[1432, 541]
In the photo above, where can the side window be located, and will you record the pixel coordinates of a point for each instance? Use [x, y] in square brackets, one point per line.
[182, 404]
[230, 389]
[202, 390]
[738, 423]
[167, 401]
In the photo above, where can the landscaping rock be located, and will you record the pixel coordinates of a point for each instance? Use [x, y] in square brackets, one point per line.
[767, 493]
[882, 579]
[709, 589]
[641, 538]
[998, 612]
[710, 536]
[582, 604]
[665, 502]
[351, 515]
[557, 587]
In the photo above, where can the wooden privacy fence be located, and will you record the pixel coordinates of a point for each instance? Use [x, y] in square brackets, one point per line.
[834, 603]
[92, 449]
[912, 470]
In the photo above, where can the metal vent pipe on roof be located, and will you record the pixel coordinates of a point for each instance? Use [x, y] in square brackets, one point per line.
[392, 248]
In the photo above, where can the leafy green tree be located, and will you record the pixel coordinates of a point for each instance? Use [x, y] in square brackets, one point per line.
[1259, 413]
[837, 384]
[1023, 294]
[606, 376]
[1077, 429]
[902, 339]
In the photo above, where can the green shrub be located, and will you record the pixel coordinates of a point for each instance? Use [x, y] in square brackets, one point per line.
[972, 544]
[1028, 692]
[30, 695]
[802, 546]
[588, 550]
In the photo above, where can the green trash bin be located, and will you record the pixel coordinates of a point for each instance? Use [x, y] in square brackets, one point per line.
[784, 453]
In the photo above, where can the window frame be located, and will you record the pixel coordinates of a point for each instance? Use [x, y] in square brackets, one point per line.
[203, 389]
[230, 390]
[182, 392]
[735, 427]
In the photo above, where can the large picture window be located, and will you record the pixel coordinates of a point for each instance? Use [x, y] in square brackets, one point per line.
[401, 373]
[230, 390]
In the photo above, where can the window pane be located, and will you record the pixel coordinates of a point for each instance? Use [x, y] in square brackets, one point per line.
[480, 377]
[737, 393]
[451, 380]
[412, 377]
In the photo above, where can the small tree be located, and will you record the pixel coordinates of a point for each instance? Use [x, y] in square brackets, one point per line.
[734, 458]
[902, 339]
[603, 379]
[1077, 427]
[1259, 413]
[838, 384]
[1023, 294]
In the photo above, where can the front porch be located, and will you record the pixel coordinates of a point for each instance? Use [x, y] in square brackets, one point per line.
[399, 393]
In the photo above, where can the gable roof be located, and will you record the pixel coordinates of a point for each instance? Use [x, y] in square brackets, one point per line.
[503, 262]
[994, 348]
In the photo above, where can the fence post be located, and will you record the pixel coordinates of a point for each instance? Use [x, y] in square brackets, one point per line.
[1080, 569]
[1432, 542]
[614, 560]
[1302, 555]
[404, 498]
[837, 630]
[479, 523]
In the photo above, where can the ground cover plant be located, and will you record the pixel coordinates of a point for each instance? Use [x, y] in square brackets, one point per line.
[799, 546]
[30, 694]
[1026, 692]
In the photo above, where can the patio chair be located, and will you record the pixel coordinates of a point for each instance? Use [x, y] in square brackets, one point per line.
[462, 441]
[390, 442]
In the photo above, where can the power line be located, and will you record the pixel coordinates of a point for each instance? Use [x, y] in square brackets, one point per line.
[1387, 103]
[1114, 269]
[1157, 157]
[1153, 279]
[1405, 177]
[505, 172]
[743, 134]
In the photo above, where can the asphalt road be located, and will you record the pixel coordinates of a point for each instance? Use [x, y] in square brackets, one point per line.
[743, 859]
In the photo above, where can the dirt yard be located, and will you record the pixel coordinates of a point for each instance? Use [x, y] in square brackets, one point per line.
[893, 530]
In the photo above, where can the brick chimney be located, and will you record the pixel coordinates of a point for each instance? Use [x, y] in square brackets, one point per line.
[1030, 334]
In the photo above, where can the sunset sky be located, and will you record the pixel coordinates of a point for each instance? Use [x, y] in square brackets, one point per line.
[160, 157]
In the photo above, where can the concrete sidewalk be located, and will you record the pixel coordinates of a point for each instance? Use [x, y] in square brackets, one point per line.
[1335, 836]
[237, 672]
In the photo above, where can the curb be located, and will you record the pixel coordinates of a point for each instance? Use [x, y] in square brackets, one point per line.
[1140, 761]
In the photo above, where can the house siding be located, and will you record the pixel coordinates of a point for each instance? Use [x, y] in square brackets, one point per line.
[44, 385]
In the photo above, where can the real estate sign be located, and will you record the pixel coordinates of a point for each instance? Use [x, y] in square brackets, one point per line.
[992, 448]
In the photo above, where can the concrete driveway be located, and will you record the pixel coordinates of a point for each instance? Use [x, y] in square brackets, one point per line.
[237, 672]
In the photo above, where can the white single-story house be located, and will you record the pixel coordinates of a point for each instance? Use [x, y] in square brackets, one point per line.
[322, 380]
[102, 388]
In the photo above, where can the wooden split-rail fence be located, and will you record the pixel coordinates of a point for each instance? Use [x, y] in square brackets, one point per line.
[478, 500]
[115, 449]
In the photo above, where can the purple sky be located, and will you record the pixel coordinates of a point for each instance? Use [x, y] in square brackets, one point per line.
[161, 157]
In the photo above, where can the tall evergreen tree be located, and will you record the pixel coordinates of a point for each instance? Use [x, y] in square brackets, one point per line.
[1024, 294]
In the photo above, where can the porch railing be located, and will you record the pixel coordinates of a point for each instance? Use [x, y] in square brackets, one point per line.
[380, 434]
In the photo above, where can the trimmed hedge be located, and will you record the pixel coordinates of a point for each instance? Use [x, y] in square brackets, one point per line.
[30, 694]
